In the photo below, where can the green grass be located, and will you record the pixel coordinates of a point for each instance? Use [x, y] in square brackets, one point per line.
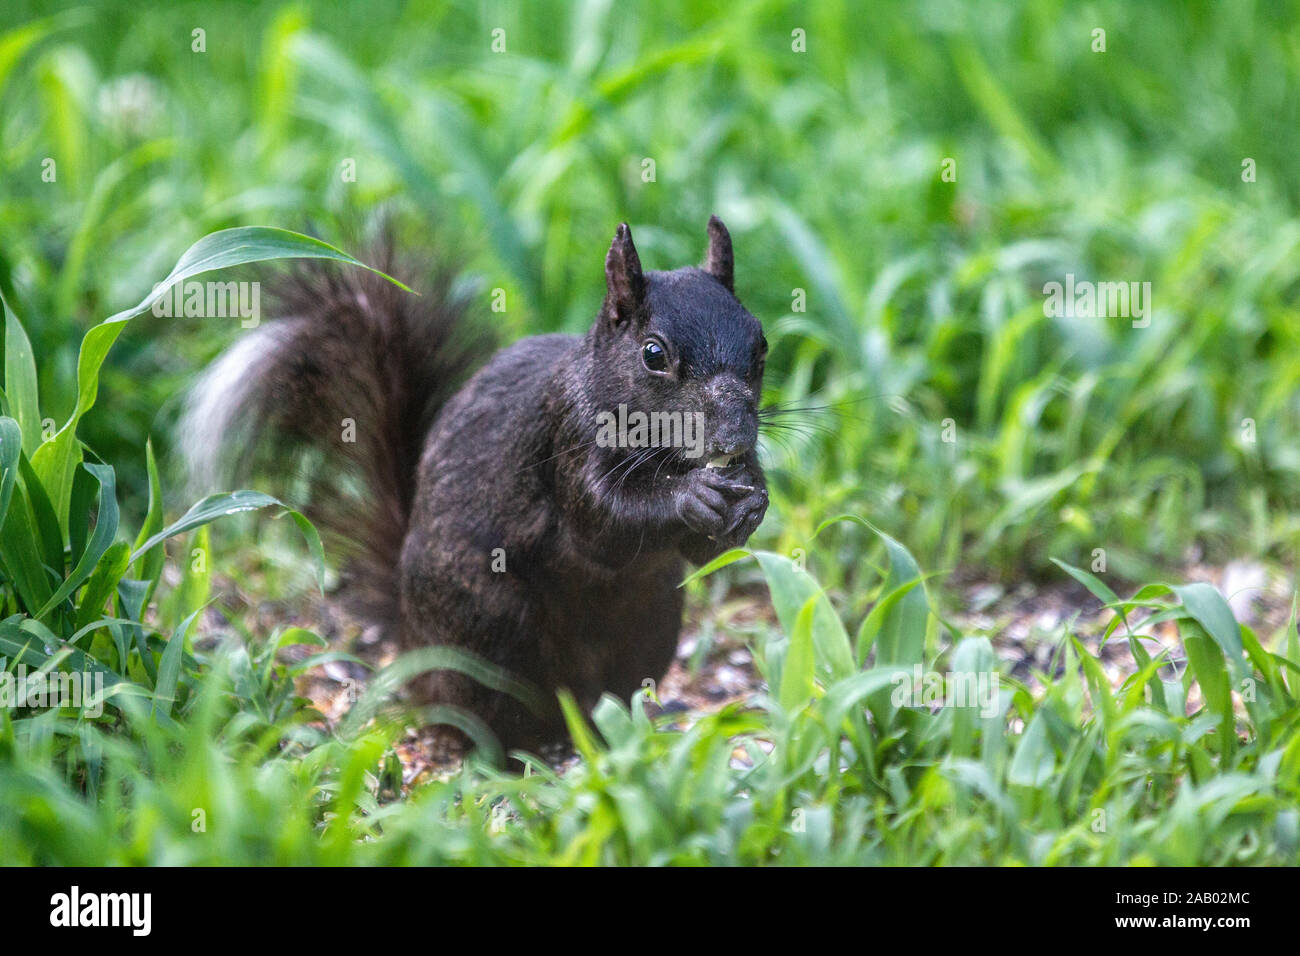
[831, 766]
[924, 319]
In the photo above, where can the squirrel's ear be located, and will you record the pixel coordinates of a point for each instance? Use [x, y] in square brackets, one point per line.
[720, 263]
[623, 277]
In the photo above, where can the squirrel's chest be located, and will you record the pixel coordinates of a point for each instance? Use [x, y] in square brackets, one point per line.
[612, 635]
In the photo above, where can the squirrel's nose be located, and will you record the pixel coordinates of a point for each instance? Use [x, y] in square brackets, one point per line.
[734, 446]
[735, 422]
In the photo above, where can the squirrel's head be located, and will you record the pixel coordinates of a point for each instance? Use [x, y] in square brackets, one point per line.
[681, 346]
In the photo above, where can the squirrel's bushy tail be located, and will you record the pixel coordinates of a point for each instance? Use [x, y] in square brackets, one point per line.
[330, 406]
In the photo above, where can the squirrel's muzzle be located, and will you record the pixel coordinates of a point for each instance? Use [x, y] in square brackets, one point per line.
[733, 417]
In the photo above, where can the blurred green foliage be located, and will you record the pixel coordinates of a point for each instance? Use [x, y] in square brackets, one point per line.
[924, 297]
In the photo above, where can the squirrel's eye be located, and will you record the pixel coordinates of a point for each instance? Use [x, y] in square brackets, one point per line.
[654, 356]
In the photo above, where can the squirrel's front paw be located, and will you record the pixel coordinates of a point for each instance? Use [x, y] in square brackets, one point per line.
[745, 517]
[721, 504]
[702, 501]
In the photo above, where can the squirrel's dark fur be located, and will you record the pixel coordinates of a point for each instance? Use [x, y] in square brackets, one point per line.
[487, 515]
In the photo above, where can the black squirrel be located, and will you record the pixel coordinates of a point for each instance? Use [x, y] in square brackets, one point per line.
[508, 515]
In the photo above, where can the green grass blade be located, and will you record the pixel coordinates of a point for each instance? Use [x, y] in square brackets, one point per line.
[103, 535]
[20, 379]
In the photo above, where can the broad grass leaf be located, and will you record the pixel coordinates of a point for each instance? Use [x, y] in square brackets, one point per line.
[103, 582]
[149, 568]
[195, 584]
[1034, 760]
[721, 561]
[878, 615]
[792, 589]
[242, 245]
[11, 447]
[34, 644]
[233, 502]
[844, 695]
[20, 379]
[1205, 659]
[312, 537]
[103, 535]
[21, 548]
[800, 662]
[1209, 608]
[901, 639]
[56, 460]
[974, 656]
[613, 721]
[300, 636]
[169, 669]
